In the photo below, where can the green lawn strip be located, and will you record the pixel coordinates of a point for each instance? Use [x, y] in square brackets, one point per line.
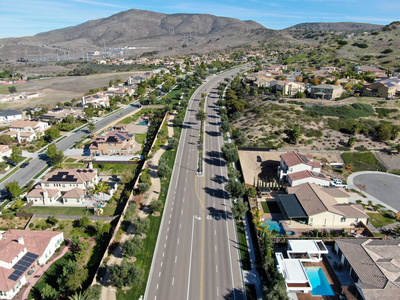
[59, 210]
[4, 88]
[51, 275]
[140, 137]
[265, 207]
[4, 204]
[70, 160]
[41, 172]
[251, 293]
[243, 247]
[363, 161]
[161, 141]
[9, 174]
[378, 219]
[74, 166]
[109, 209]
[395, 172]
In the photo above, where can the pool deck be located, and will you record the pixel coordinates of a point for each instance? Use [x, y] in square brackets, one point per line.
[330, 276]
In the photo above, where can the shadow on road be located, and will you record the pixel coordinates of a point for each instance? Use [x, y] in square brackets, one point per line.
[219, 179]
[218, 193]
[234, 294]
[213, 133]
[219, 214]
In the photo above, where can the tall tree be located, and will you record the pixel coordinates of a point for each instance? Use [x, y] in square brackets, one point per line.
[13, 188]
[201, 116]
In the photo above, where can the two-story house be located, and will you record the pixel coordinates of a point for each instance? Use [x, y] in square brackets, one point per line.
[27, 131]
[113, 143]
[96, 100]
[68, 185]
[287, 88]
[294, 161]
[10, 115]
[21, 251]
[326, 91]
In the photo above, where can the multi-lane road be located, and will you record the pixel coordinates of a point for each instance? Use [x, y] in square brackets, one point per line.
[196, 255]
[23, 176]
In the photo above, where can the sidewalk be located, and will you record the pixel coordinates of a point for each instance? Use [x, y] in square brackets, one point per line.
[252, 276]
[40, 271]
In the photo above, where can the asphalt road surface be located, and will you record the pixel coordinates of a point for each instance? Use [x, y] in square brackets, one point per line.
[196, 255]
[384, 187]
[24, 175]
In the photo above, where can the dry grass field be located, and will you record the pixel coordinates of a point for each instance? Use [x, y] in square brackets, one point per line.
[62, 89]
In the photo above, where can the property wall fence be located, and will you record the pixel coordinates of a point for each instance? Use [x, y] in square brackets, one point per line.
[66, 217]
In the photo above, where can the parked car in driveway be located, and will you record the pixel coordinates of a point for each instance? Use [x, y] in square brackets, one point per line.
[337, 182]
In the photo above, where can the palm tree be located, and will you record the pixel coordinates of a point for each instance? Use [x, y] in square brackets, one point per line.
[201, 115]
[101, 187]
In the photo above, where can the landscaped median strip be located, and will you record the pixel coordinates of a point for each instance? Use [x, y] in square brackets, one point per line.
[16, 168]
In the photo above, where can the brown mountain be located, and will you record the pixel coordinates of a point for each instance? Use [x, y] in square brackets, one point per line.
[145, 30]
[336, 26]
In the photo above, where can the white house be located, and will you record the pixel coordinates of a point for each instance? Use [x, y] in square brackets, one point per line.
[293, 162]
[10, 115]
[5, 151]
[69, 186]
[305, 176]
[96, 100]
[27, 130]
[20, 251]
[292, 268]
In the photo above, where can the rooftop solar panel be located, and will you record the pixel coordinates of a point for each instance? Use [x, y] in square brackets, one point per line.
[22, 265]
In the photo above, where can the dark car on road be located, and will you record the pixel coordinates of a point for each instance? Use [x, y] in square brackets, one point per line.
[24, 164]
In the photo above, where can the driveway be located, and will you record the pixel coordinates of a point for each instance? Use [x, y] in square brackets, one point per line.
[384, 187]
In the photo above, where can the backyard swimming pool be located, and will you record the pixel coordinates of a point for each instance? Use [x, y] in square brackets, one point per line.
[273, 224]
[142, 123]
[319, 283]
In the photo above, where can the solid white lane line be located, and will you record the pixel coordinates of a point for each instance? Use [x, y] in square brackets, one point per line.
[157, 289]
[178, 242]
[176, 257]
[173, 279]
[190, 260]
[217, 292]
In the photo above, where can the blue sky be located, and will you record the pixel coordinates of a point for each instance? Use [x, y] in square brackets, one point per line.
[29, 17]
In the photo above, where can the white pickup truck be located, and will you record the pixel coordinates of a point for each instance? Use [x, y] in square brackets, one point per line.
[337, 182]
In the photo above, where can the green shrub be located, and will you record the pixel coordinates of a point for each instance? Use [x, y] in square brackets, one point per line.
[355, 110]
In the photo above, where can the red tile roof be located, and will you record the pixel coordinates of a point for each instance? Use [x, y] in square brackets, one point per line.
[295, 158]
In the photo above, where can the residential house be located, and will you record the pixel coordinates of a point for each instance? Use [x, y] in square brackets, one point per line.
[326, 91]
[294, 161]
[69, 186]
[287, 88]
[66, 180]
[374, 71]
[96, 100]
[387, 88]
[20, 251]
[5, 151]
[321, 207]
[292, 268]
[10, 115]
[304, 176]
[59, 114]
[373, 265]
[27, 131]
[113, 143]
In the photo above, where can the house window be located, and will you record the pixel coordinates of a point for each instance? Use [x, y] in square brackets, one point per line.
[311, 220]
[343, 219]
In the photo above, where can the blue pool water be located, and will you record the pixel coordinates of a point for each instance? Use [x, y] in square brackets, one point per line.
[142, 123]
[273, 224]
[319, 283]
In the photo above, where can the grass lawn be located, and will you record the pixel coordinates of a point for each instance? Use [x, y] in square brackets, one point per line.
[363, 161]
[70, 160]
[243, 247]
[59, 210]
[140, 137]
[136, 116]
[378, 219]
[270, 207]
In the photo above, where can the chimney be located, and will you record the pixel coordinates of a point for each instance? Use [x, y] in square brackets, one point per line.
[1, 236]
[21, 240]
[90, 165]
[45, 195]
